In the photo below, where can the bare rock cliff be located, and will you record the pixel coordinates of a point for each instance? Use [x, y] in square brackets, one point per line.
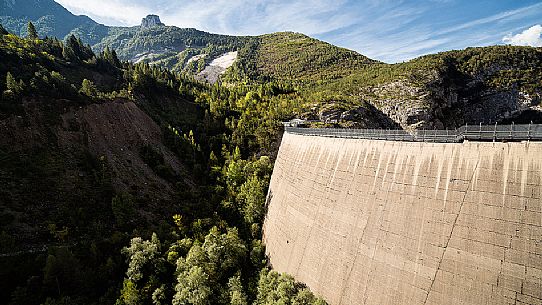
[151, 21]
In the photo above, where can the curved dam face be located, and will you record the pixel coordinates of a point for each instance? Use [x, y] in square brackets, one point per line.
[383, 222]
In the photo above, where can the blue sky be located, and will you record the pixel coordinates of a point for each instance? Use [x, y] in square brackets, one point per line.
[387, 30]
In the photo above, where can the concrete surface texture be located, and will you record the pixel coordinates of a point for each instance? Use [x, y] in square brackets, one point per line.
[383, 222]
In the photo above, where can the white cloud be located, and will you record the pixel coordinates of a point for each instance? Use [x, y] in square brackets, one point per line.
[530, 37]
[252, 17]
[237, 17]
[500, 17]
[394, 39]
[110, 12]
[388, 30]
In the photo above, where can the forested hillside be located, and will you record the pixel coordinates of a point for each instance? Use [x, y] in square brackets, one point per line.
[296, 58]
[130, 184]
[127, 180]
[445, 90]
[171, 47]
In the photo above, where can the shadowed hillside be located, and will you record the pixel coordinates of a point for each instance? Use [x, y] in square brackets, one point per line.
[126, 183]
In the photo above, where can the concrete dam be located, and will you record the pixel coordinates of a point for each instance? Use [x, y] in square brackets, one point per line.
[364, 221]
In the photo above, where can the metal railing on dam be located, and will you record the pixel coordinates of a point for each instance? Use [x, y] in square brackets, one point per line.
[514, 132]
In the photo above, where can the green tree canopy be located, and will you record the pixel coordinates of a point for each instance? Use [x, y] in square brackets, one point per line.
[235, 290]
[13, 87]
[192, 287]
[252, 199]
[143, 255]
[111, 57]
[225, 251]
[11, 83]
[275, 288]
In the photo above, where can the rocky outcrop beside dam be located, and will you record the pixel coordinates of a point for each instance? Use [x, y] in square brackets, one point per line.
[384, 222]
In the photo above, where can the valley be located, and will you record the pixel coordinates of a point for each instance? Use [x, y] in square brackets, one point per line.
[135, 162]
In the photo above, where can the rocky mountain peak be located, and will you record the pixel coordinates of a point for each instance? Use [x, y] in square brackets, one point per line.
[150, 21]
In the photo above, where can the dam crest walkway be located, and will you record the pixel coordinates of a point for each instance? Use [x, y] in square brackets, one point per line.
[514, 132]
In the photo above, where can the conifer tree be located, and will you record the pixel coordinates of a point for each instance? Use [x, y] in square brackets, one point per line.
[3, 31]
[88, 88]
[68, 53]
[111, 57]
[12, 84]
[31, 31]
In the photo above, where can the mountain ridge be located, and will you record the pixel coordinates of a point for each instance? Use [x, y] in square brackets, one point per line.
[335, 82]
[151, 41]
[138, 182]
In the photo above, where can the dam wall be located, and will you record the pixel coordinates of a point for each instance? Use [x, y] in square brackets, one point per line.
[384, 222]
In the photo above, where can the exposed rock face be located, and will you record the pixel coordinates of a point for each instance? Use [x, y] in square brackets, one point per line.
[117, 131]
[217, 67]
[403, 103]
[384, 222]
[446, 100]
[151, 21]
[85, 153]
[366, 116]
[471, 99]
